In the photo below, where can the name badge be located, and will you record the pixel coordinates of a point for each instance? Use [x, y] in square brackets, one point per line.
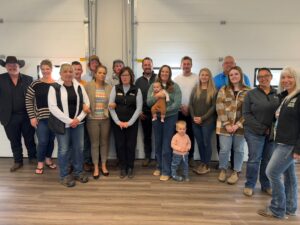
[292, 103]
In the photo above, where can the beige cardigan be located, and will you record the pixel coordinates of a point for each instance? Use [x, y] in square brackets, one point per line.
[91, 91]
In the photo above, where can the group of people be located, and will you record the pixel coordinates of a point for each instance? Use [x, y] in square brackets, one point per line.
[177, 111]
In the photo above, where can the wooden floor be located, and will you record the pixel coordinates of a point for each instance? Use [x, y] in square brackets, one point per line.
[26, 198]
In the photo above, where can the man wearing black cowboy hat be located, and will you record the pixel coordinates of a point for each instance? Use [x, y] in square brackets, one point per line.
[13, 115]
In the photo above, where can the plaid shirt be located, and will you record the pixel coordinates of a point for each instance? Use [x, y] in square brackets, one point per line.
[229, 109]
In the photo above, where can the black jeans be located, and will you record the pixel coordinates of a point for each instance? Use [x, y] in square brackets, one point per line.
[18, 126]
[147, 131]
[125, 140]
[87, 156]
[189, 131]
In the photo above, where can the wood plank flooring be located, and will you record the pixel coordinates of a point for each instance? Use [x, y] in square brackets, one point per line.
[30, 199]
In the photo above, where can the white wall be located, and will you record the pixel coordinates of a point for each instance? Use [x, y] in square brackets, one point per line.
[258, 33]
[113, 43]
[34, 30]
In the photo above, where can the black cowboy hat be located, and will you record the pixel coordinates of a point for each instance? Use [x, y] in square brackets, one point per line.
[12, 59]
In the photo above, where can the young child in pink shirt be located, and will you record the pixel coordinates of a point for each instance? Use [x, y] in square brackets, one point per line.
[181, 144]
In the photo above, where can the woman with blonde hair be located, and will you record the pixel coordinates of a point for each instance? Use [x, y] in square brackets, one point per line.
[202, 108]
[66, 101]
[38, 112]
[287, 148]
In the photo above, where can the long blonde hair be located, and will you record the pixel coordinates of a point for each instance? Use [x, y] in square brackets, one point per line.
[211, 89]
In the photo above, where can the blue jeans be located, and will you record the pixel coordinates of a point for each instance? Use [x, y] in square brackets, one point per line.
[226, 142]
[176, 161]
[260, 151]
[73, 137]
[284, 195]
[163, 133]
[203, 138]
[45, 140]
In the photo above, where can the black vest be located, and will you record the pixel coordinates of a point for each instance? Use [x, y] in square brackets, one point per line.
[58, 97]
[126, 104]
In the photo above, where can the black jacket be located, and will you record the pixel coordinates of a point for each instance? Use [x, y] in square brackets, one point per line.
[259, 110]
[6, 95]
[144, 84]
[288, 124]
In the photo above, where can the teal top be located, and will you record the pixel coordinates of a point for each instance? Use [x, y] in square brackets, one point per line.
[173, 105]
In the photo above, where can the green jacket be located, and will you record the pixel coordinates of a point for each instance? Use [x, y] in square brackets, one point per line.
[173, 105]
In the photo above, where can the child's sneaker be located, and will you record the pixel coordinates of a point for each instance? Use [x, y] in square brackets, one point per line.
[177, 178]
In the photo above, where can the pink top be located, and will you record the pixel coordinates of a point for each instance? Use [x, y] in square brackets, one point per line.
[181, 144]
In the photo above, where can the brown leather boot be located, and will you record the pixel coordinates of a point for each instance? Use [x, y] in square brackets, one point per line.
[16, 166]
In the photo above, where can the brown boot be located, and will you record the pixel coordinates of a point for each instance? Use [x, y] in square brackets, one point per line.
[234, 177]
[16, 166]
[222, 175]
[88, 167]
[202, 169]
[146, 162]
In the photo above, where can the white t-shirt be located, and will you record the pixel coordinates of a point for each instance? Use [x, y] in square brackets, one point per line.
[186, 84]
[88, 76]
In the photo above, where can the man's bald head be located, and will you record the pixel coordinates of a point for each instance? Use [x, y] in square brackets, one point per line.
[228, 63]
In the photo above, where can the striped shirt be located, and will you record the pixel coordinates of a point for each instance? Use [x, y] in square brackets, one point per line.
[101, 101]
[36, 100]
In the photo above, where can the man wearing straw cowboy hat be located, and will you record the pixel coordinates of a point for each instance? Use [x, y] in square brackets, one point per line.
[13, 115]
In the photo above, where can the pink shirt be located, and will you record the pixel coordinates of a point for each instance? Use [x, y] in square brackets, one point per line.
[181, 144]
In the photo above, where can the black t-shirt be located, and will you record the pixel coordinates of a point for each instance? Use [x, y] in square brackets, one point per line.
[72, 100]
[235, 93]
[41, 94]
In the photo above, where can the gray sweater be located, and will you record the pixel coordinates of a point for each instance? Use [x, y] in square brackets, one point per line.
[259, 109]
